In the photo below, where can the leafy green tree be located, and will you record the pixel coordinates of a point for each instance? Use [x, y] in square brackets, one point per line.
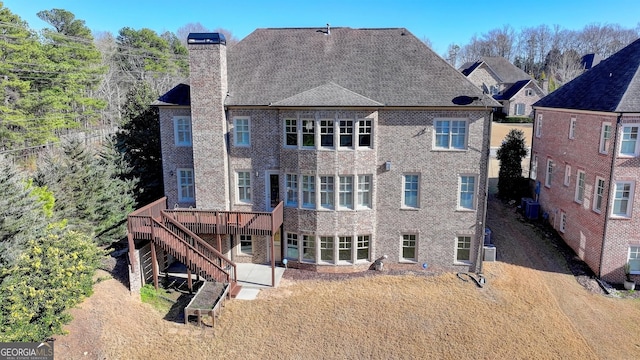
[511, 183]
[139, 141]
[22, 214]
[90, 193]
[54, 274]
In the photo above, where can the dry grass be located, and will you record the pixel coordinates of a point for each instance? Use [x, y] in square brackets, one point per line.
[531, 308]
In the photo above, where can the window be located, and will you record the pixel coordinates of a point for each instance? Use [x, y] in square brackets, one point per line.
[308, 133]
[241, 134]
[244, 186]
[467, 192]
[292, 246]
[567, 175]
[364, 191]
[634, 259]
[463, 249]
[292, 190]
[605, 137]
[534, 166]
[494, 90]
[326, 133]
[549, 176]
[291, 132]
[411, 186]
[563, 221]
[308, 248]
[629, 142]
[364, 132]
[539, 126]
[623, 195]
[182, 130]
[363, 247]
[409, 247]
[346, 133]
[186, 189]
[598, 194]
[308, 191]
[327, 192]
[326, 248]
[572, 128]
[520, 109]
[344, 248]
[346, 192]
[450, 134]
[528, 92]
[580, 184]
[246, 245]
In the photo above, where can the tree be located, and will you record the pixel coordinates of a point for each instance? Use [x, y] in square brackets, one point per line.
[54, 274]
[90, 193]
[139, 141]
[22, 215]
[510, 154]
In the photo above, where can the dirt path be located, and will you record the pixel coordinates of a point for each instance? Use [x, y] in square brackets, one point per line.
[531, 308]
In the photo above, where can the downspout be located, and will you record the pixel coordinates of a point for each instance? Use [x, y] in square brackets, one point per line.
[480, 233]
[229, 182]
[606, 216]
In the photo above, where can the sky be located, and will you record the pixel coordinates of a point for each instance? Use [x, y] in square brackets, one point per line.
[443, 22]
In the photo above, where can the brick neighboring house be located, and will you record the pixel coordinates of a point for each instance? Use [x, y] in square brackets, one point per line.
[355, 130]
[585, 154]
[507, 83]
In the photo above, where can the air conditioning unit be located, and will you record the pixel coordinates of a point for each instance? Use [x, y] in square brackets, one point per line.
[489, 253]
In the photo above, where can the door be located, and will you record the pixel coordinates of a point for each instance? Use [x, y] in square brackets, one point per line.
[273, 190]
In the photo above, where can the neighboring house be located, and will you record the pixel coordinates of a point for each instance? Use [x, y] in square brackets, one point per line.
[590, 60]
[507, 83]
[354, 130]
[585, 155]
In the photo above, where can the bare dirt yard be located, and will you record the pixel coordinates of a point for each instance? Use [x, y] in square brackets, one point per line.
[532, 307]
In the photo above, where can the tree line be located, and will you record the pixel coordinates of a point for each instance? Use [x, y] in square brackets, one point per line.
[545, 52]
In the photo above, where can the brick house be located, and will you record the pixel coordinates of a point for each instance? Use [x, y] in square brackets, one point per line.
[585, 155]
[373, 144]
[507, 83]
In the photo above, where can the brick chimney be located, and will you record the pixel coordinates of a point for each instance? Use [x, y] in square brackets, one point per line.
[208, 83]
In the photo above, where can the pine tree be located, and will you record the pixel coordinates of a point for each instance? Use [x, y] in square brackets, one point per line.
[510, 154]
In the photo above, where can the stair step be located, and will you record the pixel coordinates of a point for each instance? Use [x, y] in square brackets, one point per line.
[234, 289]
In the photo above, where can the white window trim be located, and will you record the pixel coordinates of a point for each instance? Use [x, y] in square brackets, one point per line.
[567, 175]
[321, 134]
[539, 126]
[357, 247]
[595, 194]
[572, 128]
[321, 204]
[627, 215]
[369, 181]
[602, 147]
[533, 174]
[244, 201]
[637, 147]
[404, 183]
[240, 252]
[584, 186]
[415, 249]
[315, 247]
[235, 131]
[360, 122]
[333, 249]
[456, 248]
[351, 193]
[313, 189]
[288, 201]
[548, 176]
[450, 147]
[475, 191]
[632, 272]
[285, 133]
[351, 243]
[522, 107]
[339, 127]
[290, 236]
[188, 142]
[178, 178]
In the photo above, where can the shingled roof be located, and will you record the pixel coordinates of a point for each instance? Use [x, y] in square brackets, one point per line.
[368, 67]
[501, 67]
[612, 86]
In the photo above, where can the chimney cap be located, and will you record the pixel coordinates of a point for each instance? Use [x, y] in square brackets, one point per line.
[206, 38]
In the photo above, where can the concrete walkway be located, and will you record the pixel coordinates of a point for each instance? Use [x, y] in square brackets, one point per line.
[254, 277]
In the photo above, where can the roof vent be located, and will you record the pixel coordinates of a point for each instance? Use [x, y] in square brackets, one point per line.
[206, 38]
[328, 29]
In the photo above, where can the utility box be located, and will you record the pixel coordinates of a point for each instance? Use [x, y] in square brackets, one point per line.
[489, 253]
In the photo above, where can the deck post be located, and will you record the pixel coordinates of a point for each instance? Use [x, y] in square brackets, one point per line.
[189, 283]
[273, 261]
[154, 264]
[219, 239]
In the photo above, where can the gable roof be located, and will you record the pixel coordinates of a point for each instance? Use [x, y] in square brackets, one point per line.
[512, 90]
[367, 66]
[590, 60]
[178, 95]
[611, 86]
[501, 67]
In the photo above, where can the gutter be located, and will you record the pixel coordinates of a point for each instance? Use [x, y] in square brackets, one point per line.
[607, 208]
